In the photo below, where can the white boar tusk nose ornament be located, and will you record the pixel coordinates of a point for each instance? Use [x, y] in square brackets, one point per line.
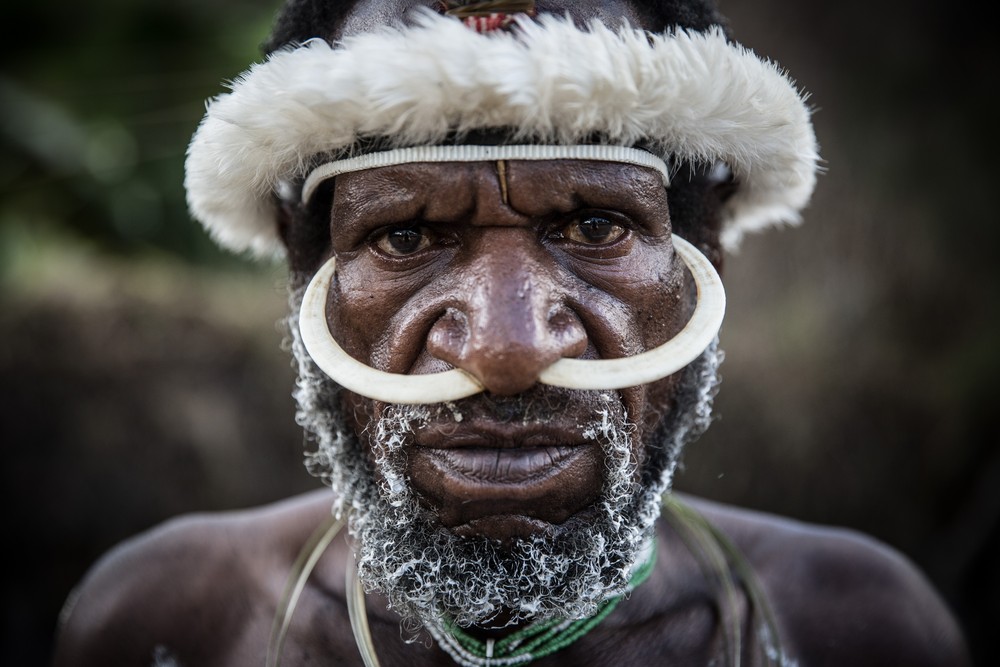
[454, 384]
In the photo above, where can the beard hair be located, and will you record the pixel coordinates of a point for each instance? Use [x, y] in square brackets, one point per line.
[430, 575]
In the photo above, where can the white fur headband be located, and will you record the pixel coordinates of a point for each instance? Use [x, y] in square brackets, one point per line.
[688, 96]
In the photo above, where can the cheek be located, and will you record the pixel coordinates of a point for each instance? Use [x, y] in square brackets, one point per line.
[362, 415]
[658, 401]
[665, 310]
[660, 302]
[364, 306]
[640, 302]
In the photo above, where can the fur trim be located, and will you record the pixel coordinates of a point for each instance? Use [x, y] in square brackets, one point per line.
[689, 96]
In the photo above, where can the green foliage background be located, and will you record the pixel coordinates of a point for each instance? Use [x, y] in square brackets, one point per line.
[140, 367]
[97, 102]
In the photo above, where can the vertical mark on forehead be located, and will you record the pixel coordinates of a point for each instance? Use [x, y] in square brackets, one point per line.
[502, 176]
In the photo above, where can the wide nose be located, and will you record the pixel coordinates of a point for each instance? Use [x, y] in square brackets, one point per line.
[509, 321]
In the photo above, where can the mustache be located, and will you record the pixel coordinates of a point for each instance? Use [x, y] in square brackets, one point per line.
[541, 403]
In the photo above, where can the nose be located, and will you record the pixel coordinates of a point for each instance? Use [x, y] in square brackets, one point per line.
[509, 323]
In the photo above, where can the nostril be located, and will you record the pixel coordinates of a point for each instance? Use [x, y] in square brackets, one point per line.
[449, 337]
[568, 334]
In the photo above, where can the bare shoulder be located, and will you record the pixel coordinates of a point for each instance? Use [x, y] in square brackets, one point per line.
[199, 585]
[842, 597]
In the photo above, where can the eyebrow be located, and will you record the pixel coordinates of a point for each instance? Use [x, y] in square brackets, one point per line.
[585, 187]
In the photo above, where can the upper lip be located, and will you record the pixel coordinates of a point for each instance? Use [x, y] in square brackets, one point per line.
[493, 435]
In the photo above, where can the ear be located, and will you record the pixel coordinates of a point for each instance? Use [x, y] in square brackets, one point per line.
[696, 196]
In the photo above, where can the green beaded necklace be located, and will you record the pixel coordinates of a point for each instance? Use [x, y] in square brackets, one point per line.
[533, 641]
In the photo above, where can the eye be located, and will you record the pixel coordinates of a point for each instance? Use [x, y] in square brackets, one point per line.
[593, 230]
[402, 241]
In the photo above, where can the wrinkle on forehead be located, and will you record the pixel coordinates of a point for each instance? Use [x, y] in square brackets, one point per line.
[369, 15]
[571, 184]
[448, 191]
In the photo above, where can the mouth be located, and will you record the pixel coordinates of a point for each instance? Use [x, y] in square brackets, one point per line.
[521, 477]
[519, 466]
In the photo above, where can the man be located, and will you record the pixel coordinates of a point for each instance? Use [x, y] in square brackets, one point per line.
[503, 222]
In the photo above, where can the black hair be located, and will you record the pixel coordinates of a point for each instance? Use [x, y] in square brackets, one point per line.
[697, 15]
[300, 20]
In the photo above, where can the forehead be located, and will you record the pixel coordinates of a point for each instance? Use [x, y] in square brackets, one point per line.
[542, 183]
[468, 193]
[558, 173]
[368, 15]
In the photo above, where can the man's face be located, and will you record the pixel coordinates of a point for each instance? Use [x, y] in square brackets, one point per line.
[500, 270]
[537, 499]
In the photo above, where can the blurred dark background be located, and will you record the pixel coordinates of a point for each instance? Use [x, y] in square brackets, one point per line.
[141, 373]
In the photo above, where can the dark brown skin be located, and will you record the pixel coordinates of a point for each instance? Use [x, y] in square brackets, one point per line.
[500, 281]
[207, 587]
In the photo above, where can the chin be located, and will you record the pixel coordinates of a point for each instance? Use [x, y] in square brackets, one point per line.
[510, 529]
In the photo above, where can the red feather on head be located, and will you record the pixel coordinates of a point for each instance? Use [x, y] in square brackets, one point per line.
[488, 15]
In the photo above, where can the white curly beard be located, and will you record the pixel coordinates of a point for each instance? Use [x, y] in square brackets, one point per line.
[428, 573]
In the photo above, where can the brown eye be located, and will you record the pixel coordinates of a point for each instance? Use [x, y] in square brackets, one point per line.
[593, 230]
[403, 241]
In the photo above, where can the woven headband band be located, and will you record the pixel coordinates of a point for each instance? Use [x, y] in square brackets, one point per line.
[470, 153]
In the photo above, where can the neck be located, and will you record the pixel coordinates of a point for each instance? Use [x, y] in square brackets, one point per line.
[482, 645]
[501, 625]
